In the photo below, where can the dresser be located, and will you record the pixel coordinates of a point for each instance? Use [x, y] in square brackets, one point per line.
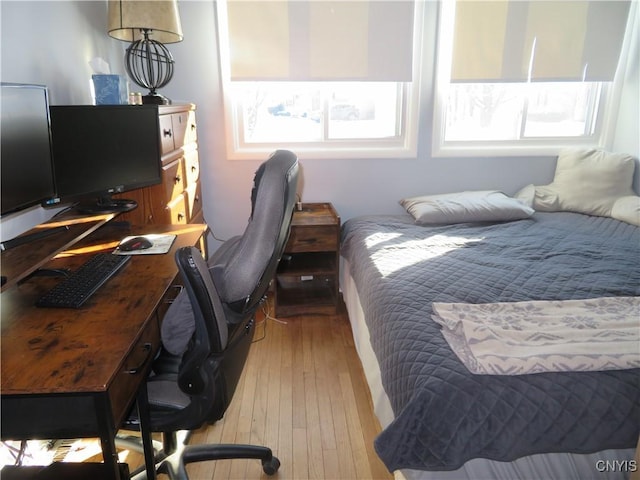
[178, 199]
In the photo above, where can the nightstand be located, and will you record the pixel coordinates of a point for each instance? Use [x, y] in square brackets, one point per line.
[307, 276]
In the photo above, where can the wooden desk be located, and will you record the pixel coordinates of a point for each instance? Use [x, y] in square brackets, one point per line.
[69, 373]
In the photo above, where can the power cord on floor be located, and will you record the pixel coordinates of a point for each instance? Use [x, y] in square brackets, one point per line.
[267, 308]
[266, 315]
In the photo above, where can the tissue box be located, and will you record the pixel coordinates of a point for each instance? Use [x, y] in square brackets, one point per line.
[110, 89]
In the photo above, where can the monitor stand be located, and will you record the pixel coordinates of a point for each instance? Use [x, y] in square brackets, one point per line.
[108, 205]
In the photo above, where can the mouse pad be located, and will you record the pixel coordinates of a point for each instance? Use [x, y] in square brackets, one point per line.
[161, 244]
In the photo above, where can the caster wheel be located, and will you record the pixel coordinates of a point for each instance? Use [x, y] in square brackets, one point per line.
[270, 467]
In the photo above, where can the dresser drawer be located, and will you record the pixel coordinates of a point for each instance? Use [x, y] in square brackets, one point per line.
[166, 134]
[194, 200]
[191, 133]
[177, 210]
[173, 179]
[312, 239]
[184, 128]
[192, 167]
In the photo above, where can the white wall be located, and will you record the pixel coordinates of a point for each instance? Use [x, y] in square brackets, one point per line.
[51, 43]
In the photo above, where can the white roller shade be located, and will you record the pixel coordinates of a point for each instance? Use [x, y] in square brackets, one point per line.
[538, 40]
[321, 40]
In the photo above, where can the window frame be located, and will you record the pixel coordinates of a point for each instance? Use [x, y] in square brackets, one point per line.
[403, 146]
[604, 121]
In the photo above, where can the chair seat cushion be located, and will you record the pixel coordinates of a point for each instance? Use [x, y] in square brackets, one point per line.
[178, 323]
[165, 393]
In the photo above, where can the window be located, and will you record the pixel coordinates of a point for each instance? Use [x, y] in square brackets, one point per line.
[310, 112]
[520, 111]
[321, 78]
[528, 76]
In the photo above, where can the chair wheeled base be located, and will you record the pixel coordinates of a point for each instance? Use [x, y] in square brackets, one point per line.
[175, 455]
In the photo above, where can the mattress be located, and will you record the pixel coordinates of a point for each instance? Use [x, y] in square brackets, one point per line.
[436, 415]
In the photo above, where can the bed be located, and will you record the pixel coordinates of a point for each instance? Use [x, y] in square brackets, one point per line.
[440, 421]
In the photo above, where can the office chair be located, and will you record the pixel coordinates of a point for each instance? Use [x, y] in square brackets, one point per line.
[208, 329]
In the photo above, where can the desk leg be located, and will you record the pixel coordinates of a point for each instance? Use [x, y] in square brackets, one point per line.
[145, 431]
[107, 437]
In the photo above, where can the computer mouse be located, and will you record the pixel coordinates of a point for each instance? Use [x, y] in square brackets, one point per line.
[135, 243]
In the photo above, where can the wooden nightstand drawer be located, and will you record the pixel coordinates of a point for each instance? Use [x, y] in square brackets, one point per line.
[312, 239]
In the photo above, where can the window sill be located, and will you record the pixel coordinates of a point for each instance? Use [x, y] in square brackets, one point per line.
[307, 152]
[508, 149]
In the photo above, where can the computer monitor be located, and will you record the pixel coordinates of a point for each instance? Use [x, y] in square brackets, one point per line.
[26, 170]
[104, 149]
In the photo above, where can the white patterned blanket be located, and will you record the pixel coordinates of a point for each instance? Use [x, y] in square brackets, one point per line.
[515, 338]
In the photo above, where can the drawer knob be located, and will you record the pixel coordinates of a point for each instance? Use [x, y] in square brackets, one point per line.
[177, 179]
[166, 132]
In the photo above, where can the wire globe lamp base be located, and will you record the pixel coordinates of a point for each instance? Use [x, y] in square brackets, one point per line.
[150, 65]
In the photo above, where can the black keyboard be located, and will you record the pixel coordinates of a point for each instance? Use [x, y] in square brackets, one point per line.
[76, 289]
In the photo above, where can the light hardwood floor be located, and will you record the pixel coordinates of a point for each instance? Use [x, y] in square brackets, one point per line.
[303, 394]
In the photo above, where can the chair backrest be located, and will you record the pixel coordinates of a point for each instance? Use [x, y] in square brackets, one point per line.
[242, 274]
[225, 295]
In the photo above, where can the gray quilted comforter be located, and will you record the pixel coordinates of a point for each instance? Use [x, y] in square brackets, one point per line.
[444, 415]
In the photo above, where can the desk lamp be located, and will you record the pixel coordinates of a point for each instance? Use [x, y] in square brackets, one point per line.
[148, 25]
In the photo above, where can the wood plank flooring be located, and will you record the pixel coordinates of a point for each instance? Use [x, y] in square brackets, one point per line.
[303, 394]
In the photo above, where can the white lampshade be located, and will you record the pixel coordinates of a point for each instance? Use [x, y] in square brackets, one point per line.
[128, 18]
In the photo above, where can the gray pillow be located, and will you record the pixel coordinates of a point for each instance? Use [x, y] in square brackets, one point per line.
[462, 207]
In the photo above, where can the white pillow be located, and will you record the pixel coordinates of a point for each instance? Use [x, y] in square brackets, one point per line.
[526, 195]
[587, 181]
[477, 206]
[627, 209]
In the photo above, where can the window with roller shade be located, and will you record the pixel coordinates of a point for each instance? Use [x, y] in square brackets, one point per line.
[327, 79]
[527, 76]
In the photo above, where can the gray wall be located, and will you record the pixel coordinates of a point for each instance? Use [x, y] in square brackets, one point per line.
[52, 42]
